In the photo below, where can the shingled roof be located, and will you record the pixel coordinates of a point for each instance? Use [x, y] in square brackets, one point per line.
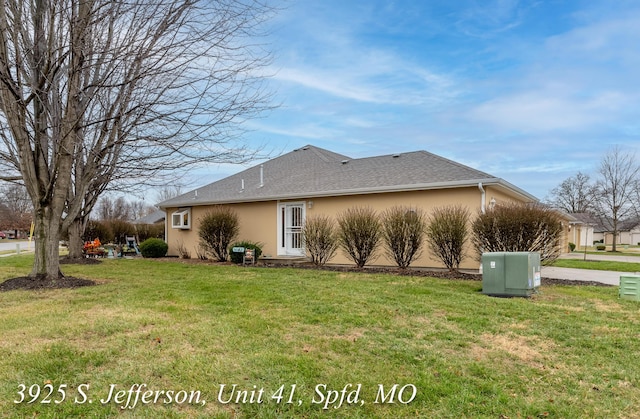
[313, 172]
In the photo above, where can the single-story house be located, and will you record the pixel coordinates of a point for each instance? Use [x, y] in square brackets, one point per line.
[273, 199]
[151, 225]
[152, 218]
[628, 232]
[585, 229]
[588, 228]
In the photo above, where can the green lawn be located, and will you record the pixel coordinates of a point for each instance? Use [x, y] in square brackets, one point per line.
[568, 352]
[602, 265]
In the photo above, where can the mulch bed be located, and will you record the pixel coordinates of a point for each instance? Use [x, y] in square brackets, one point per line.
[28, 283]
[80, 261]
[442, 274]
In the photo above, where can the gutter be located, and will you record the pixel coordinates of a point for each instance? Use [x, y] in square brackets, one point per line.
[480, 183]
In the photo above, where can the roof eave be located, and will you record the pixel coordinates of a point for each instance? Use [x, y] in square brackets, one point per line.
[513, 190]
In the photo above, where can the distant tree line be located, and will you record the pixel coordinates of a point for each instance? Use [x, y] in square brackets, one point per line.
[612, 196]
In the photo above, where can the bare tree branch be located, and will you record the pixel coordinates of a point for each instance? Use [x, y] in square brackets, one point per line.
[619, 176]
[97, 94]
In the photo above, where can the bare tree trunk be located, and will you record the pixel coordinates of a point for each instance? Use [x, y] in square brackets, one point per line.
[614, 247]
[94, 91]
[619, 175]
[76, 230]
[46, 263]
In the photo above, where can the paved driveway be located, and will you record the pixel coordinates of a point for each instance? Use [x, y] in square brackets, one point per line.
[606, 277]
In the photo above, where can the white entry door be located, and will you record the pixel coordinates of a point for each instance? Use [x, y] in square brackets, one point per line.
[290, 222]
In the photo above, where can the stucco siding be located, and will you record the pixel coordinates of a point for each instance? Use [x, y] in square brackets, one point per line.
[259, 220]
[257, 223]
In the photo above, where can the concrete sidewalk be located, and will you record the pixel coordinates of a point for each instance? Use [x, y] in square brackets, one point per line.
[605, 277]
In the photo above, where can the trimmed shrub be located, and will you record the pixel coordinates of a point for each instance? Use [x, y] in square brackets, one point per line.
[237, 257]
[218, 228]
[519, 227]
[447, 234]
[153, 248]
[403, 230]
[572, 247]
[320, 239]
[601, 247]
[359, 234]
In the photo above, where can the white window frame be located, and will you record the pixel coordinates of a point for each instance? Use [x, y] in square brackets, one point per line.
[184, 219]
[283, 249]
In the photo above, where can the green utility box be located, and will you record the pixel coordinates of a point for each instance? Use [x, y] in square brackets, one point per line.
[630, 287]
[510, 274]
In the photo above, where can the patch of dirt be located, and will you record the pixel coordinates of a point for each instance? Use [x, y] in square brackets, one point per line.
[28, 283]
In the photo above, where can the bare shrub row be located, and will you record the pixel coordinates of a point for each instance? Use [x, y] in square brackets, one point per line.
[403, 232]
[360, 233]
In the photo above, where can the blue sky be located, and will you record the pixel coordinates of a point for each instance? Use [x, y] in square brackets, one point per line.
[529, 91]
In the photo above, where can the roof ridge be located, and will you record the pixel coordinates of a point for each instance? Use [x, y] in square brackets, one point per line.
[327, 156]
[454, 162]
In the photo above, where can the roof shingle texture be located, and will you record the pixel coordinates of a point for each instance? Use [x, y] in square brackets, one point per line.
[315, 171]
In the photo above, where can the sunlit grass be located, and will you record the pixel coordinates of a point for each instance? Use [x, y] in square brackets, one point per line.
[602, 265]
[567, 352]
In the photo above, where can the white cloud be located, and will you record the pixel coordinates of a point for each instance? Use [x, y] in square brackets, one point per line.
[578, 81]
[544, 111]
[297, 130]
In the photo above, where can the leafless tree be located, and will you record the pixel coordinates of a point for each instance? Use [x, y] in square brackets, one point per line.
[619, 176]
[167, 192]
[574, 195]
[17, 210]
[139, 209]
[114, 209]
[97, 93]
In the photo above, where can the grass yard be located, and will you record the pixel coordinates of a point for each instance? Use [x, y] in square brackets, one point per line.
[602, 265]
[299, 339]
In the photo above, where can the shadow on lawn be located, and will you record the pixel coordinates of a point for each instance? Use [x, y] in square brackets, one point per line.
[28, 283]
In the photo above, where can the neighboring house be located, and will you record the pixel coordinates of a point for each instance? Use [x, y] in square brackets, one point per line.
[628, 232]
[585, 229]
[273, 199]
[151, 225]
[153, 218]
[588, 228]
